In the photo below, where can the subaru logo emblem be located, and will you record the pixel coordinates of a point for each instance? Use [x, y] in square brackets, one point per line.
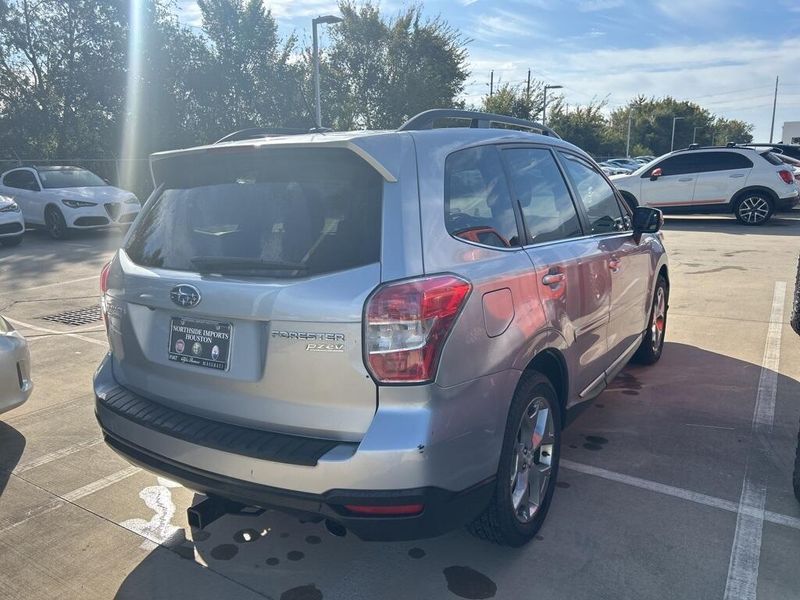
[185, 295]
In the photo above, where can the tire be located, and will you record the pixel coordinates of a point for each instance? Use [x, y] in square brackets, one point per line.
[502, 523]
[11, 242]
[652, 345]
[55, 223]
[795, 319]
[754, 208]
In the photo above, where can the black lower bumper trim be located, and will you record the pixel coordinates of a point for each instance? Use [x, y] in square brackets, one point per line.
[443, 510]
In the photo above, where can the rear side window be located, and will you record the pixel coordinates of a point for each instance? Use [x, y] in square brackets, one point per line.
[596, 195]
[772, 158]
[719, 161]
[477, 202]
[276, 213]
[22, 180]
[680, 164]
[547, 209]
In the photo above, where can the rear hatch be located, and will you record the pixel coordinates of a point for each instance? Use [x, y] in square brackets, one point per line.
[239, 293]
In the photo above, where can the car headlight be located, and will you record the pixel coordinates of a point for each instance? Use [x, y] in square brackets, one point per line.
[132, 200]
[78, 203]
[13, 207]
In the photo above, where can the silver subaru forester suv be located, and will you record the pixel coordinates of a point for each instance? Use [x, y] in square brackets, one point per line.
[387, 329]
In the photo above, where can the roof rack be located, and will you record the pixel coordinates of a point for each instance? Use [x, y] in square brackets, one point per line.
[253, 133]
[477, 119]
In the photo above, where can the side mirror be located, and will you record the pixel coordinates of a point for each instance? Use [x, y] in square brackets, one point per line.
[646, 220]
[656, 173]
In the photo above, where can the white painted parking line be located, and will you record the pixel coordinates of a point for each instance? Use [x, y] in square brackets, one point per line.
[54, 332]
[676, 492]
[52, 456]
[47, 285]
[742, 579]
[70, 497]
[98, 485]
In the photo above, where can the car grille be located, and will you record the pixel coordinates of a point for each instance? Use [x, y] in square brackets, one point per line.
[7, 228]
[113, 209]
[127, 218]
[90, 221]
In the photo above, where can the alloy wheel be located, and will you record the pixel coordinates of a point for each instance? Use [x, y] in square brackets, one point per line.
[753, 209]
[659, 318]
[533, 454]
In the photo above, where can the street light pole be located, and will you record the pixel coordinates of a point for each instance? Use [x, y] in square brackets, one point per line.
[628, 143]
[544, 104]
[694, 134]
[672, 143]
[774, 106]
[329, 20]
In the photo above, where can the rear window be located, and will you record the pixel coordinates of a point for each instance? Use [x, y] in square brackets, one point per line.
[772, 158]
[273, 213]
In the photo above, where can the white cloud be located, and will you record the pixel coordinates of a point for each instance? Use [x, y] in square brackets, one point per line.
[730, 84]
[596, 5]
[707, 12]
[189, 13]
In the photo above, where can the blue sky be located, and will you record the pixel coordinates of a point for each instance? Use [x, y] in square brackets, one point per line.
[724, 54]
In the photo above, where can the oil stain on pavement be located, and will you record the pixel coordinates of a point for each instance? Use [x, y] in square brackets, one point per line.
[594, 442]
[303, 592]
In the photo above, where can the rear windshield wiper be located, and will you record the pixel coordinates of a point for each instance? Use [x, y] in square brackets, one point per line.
[230, 264]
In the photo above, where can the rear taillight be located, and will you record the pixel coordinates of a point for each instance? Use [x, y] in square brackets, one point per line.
[786, 176]
[103, 289]
[407, 324]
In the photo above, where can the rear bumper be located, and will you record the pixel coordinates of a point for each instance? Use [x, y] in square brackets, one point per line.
[787, 203]
[443, 510]
[434, 448]
[15, 381]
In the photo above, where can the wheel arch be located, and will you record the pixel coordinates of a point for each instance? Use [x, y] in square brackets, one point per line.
[749, 190]
[550, 362]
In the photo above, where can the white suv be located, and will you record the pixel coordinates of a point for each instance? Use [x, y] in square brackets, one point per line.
[750, 184]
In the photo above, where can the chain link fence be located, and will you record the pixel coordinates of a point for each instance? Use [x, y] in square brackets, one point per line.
[135, 170]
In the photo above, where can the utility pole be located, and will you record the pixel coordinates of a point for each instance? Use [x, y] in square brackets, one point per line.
[694, 134]
[774, 106]
[491, 84]
[544, 103]
[528, 88]
[628, 143]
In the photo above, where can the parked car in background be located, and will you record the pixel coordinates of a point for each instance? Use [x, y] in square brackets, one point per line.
[15, 368]
[625, 163]
[645, 158]
[744, 181]
[612, 169]
[791, 150]
[384, 328]
[793, 163]
[795, 321]
[12, 225]
[64, 199]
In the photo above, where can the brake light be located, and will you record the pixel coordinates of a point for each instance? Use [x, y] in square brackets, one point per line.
[104, 277]
[786, 176]
[407, 324]
[385, 511]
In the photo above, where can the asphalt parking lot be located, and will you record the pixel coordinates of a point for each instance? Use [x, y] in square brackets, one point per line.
[675, 483]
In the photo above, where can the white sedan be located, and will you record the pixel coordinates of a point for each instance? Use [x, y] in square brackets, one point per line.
[12, 225]
[15, 368]
[68, 198]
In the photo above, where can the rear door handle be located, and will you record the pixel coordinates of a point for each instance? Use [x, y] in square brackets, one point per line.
[736, 175]
[686, 179]
[554, 278]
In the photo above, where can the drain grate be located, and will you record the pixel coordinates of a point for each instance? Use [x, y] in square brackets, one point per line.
[80, 316]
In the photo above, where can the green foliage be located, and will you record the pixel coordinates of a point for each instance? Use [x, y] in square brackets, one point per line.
[516, 101]
[377, 71]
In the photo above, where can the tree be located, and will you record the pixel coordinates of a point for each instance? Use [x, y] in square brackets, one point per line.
[731, 130]
[516, 101]
[61, 69]
[378, 72]
[584, 126]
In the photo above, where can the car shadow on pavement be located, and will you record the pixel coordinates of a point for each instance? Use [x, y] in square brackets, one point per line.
[674, 423]
[12, 443]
